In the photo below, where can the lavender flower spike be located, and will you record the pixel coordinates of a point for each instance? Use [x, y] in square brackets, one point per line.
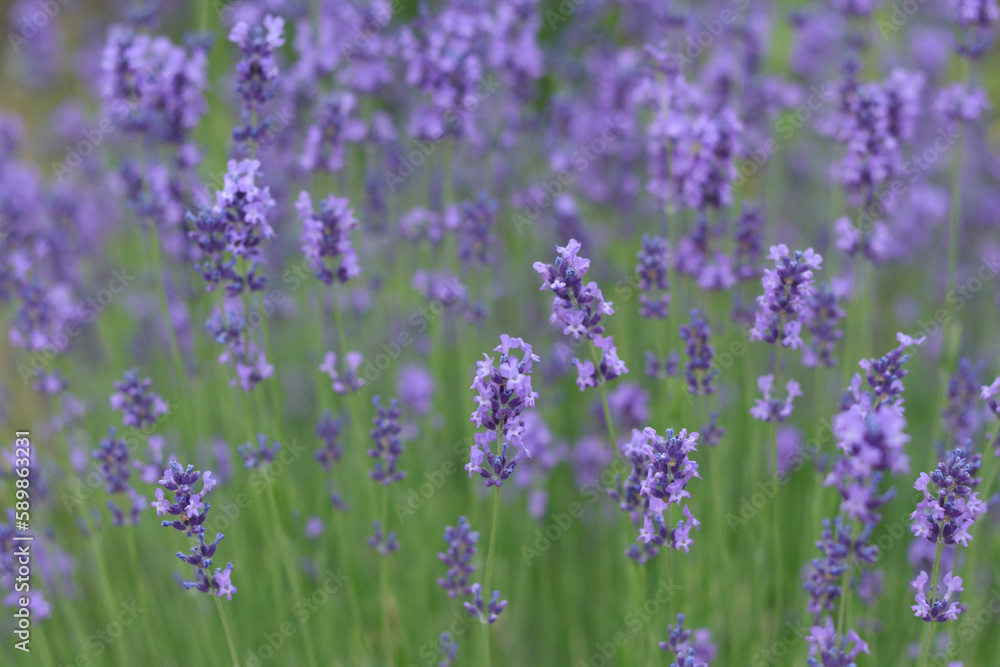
[388, 446]
[940, 608]
[461, 548]
[771, 408]
[478, 609]
[140, 407]
[783, 305]
[504, 392]
[326, 238]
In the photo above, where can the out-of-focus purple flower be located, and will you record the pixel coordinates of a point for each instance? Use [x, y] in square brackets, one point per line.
[790, 452]
[699, 369]
[259, 456]
[336, 125]
[855, 7]
[141, 408]
[458, 557]
[326, 238]
[960, 103]
[478, 608]
[388, 446]
[113, 458]
[383, 543]
[256, 74]
[249, 363]
[939, 608]
[874, 243]
[974, 13]
[628, 404]
[873, 153]
[960, 416]
[449, 650]
[328, 430]
[473, 222]
[782, 307]
[415, 388]
[838, 545]
[771, 408]
[190, 512]
[314, 527]
[697, 653]
[350, 381]
[419, 223]
[232, 230]
[662, 369]
[749, 243]
[654, 286]
[822, 314]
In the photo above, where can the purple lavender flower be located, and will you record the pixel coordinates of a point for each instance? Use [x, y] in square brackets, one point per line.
[259, 456]
[654, 286]
[945, 516]
[979, 13]
[232, 230]
[874, 244]
[449, 650]
[478, 608]
[749, 243]
[504, 393]
[885, 374]
[473, 222]
[662, 369]
[833, 651]
[771, 408]
[328, 430]
[141, 408]
[257, 73]
[838, 546]
[350, 382]
[939, 608]
[662, 468]
[461, 548]
[336, 125]
[247, 361]
[327, 238]
[415, 387]
[190, 513]
[873, 153]
[113, 458]
[960, 416]
[699, 367]
[822, 314]
[697, 653]
[383, 543]
[579, 308]
[782, 307]
[960, 103]
[388, 446]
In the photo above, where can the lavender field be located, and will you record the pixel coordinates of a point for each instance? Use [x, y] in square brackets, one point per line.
[510, 332]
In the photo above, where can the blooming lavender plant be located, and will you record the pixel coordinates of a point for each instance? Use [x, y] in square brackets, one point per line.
[113, 460]
[458, 557]
[699, 368]
[772, 408]
[782, 307]
[328, 430]
[388, 445]
[190, 513]
[504, 393]
[326, 238]
[579, 308]
[257, 74]
[259, 456]
[654, 285]
[349, 380]
[141, 408]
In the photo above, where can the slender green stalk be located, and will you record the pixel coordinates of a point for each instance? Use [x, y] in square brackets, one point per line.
[229, 634]
[926, 645]
[384, 580]
[607, 410]
[489, 574]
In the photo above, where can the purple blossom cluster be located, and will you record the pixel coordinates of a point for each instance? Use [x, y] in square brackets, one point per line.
[141, 408]
[458, 557]
[230, 233]
[335, 126]
[326, 238]
[504, 393]
[579, 308]
[699, 369]
[248, 363]
[770, 408]
[256, 74]
[348, 380]
[653, 269]
[388, 445]
[782, 308]
[190, 512]
[113, 460]
[260, 455]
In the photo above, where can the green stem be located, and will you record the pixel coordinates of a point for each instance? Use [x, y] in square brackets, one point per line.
[607, 410]
[926, 645]
[489, 573]
[229, 635]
